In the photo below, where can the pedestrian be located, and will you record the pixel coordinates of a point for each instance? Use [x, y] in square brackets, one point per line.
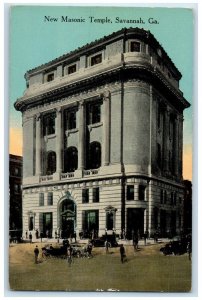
[89, 249]
[41, 236]
[124, 234]
[135, 242]
[30, 237]
[37, 234]
[122, 253]
[145, 238]
[26, 234]
[156, 234]
[43, 252]
[36, 254]
[69, 255]
[106, 246]
[75, 236]
[189, 249]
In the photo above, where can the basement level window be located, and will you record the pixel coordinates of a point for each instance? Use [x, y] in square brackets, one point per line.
[135, 47]
[97, 59]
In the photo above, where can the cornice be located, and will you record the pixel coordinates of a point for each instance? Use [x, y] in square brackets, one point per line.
[98, 45]
[122, 73]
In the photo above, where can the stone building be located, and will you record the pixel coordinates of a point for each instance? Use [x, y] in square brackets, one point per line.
[102, 139]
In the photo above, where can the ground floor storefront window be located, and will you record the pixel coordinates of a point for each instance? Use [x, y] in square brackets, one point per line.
[46, 224]
[90, 221]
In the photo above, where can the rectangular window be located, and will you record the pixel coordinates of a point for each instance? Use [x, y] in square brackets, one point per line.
[135, 47]
[161, 197]
[93, 113]
[96, 195]
[50, 198]
[90, 220]
[50, 77]
[71, 69]
[96, 59]
[70, 119]
[130, 192]
[47, 224]
[49, 124]
[109, 220]
[85, 196]
[31, 223]
[41, 199]
[17, 188]
[159, 116]
[165, 197]
[142, 192]
[159, 155]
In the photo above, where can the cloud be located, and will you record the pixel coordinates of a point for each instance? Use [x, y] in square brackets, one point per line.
[15, 141]
[187, 162]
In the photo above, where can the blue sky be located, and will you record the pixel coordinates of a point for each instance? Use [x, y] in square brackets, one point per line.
[34, 42]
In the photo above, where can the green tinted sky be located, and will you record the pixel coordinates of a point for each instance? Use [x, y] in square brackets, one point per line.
[34, 42]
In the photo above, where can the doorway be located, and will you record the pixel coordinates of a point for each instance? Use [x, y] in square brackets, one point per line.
[67, 218]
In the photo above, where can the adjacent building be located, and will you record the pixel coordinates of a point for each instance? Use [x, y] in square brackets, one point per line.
[15, 191]
[102, 139]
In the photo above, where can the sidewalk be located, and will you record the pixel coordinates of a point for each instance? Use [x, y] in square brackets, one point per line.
[85, 241]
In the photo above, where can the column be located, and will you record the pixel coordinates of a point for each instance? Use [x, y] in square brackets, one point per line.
[166, 140]
[59, 128]
[180, 145]
[38, 145]
[105, 147]
[81, 136]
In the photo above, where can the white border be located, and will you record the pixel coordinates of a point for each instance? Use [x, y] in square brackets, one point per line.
[4, 33]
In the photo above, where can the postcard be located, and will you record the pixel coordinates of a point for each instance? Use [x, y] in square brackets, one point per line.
[100, 149]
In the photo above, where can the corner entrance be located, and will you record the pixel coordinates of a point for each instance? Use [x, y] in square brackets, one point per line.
[67, 211]
[135, 222]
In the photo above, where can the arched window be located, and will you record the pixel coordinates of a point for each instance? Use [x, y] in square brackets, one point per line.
[95, 155]
[51, 163]
[70, 159]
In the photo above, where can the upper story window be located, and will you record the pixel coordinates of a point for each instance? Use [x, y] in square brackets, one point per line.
[17, 171]
[71, 69]
[51, 163]
[17, 188]
[130, 192]
[97, 59]
[41, 199]
[50, 198]
[50, 77]
[142, 192]
[70, 119]
[165, 197]
[161, 197]
[135, 46]
[49, 124]
[95, 155]
[171, 126]
[96, 194]
[93, 113]
[159, 155]
[85, 196]
[70, 159]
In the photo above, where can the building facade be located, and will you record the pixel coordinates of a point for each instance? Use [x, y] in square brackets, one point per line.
[15, 191]
[102, 139]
